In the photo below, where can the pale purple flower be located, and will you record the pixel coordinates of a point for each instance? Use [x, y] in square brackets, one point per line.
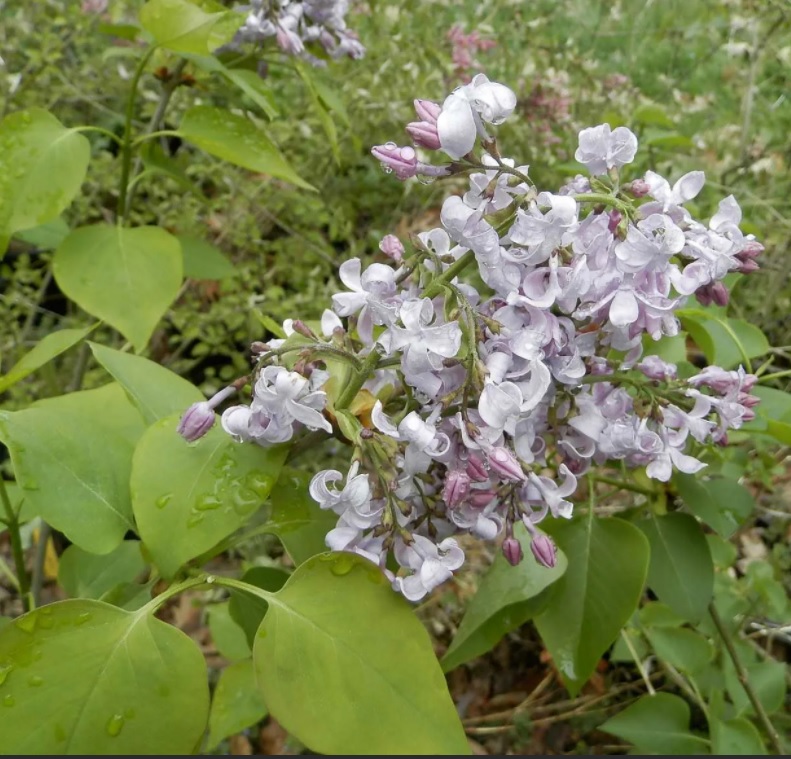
[289, 397]
[602, 148]
[431, 565]
[373, 294]
[554, 495]
[392, 247]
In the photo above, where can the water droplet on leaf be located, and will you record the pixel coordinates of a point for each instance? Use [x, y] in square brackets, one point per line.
[115, 724]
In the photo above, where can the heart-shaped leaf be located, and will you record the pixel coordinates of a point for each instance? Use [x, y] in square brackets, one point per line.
[127, 277]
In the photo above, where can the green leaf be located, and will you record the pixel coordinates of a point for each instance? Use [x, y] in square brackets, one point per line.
[655, 614]
[671, 140]
[183, 27]
[204, 261]
[45, 236]
[736, 737]
[346, 667]
[157, 392]
[685, 649]
[670, 349]
[49, 347]
[327, 124]
[72, 456]
[767, 679]
[227, 635]
[188, 497]
[42, 167]
[597, 594]
[681, 572]
[296, 518]
[720, 502]
[248, 611]
[507, 597]
[237, 140]
[725, 342]
[127, 277]
[84, 677]
[86, 575]
[236, 704]
[657, 724]
[723, 552]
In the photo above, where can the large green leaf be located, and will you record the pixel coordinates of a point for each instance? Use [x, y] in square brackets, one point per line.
[127, 277]
[736, 737]
[86, 575]
[42, 167]
[157, 392]
[203, 261]
[685, 649]
[46, 236]
[183, 27]
[236, 704]
[725, 342]
[681, 572]
[657, 724]
[507, 597]
[49, 347]
[84, 677]
[72, 456]
[345, 666]
[237, 140]
[720, 502]
[296, 518]
[187, 497]
[608, 563]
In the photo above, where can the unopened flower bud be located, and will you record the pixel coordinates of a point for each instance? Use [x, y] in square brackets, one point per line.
[748, 267]
[424, 134]
[301, 328]
[748, 401]
[639, 188]
[512, 550]
[198, 419]
[391, 246]
[476, 468]
[428, 111]
[720, 294]
[615, 220]
[544, 550]
[504, 463]
[750, 251]
[401, 161]
[456, 489]
[480, 499]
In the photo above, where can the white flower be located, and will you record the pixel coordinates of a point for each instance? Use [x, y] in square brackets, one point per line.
[463, 112]
[601, 148]
[683, 190]
[287, 397]
[352, 503]
[431, 565]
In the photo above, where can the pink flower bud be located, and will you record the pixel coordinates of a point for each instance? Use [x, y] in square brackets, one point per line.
[751, 250]
[301, 328]
[424, 134]
[391, 246]
[512, 550]
[402, 161]
[544, 550]
[615, 220]
[198, 419]
[428, 111]
[480, 499]
[748, 267]
[748, 382]
[720, 294]
[457, 488]
[476, 468]
[748, 401]
[639, 188]
[504, 463]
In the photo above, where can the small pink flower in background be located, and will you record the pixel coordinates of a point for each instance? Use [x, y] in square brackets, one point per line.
[94, 6]
[465, 46]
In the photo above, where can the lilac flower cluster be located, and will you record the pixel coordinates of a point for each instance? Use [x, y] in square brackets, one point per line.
[477, 408]
[297, 23]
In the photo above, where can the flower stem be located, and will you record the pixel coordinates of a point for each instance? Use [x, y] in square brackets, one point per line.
[435, 286]
[621, 484]
[126, 153]
[358, 380]
[597, 197]
[744, 679]
[12, 520]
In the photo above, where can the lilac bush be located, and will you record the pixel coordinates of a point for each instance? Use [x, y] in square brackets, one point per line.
[488, 401]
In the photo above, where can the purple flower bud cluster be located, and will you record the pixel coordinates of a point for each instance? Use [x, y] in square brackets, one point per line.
[297, 23]
[489, 403]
